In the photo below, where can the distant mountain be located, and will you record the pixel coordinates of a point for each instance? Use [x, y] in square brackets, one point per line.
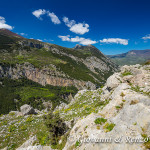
[132, 57]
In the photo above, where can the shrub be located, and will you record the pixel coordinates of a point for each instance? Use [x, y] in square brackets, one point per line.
[126, 73]
[56, 127]
[100, 121]
[122, 94]
[109, 126]
[77, 143]
[118, 107]
[147, 143]
[29, 119]
[12, 113]
[133, 102]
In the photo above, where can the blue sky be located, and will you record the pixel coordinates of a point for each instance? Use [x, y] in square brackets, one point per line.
[113, 26]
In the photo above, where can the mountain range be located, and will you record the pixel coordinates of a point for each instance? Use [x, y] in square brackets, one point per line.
[131, 58]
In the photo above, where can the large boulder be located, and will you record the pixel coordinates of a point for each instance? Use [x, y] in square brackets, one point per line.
[27, 110]
[113, 81]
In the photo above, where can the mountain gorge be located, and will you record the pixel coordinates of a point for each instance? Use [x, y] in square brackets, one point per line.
[83, 67]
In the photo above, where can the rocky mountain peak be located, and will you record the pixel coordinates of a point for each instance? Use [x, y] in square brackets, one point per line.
[83, 47]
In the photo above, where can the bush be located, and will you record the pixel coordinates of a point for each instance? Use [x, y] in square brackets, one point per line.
[126, 73]
[100, 121]
[56, 127]
[109, 126]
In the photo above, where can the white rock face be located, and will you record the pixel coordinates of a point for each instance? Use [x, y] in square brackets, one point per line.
[114, 80]
[28, 145]
[128, 110]
[27, 110]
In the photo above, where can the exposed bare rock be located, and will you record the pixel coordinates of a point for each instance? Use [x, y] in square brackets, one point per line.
[43, 76]
[128, 113]
[27, 110]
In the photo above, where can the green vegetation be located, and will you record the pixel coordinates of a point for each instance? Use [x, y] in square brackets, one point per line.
[56, 127]
[15, 93]
[147, 141]
[137, 89]
[16, 130]
[126, 73]
[84, 105]
[129, 60]
[122, 94]
[100, 121]
[77, 143]
[109, 126]
[119, 106]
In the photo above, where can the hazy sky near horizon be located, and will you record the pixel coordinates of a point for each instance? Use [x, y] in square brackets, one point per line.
[113, 26]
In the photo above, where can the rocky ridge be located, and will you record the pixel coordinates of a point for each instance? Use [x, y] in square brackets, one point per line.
[126, 115]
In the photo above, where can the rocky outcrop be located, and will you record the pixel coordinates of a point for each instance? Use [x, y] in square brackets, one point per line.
[28, 145]
[43, 76]
[27, 110]
[127, 115]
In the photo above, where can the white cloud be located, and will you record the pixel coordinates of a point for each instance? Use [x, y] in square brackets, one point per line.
[78, 28]
[23, 34]
[69, 23]
[115, 40]
[38, 13]
[87, 42]
[81, 40]
[39, 40]
[53, 17]
[147, 37]
[64, 38]
[3, 24]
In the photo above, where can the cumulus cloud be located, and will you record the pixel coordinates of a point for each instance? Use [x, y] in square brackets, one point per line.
[78, 28]
[38, 13]
[54, 18]
[115, 40]
[147, 37]
[69, 23]
[3, 24]
[81, 40]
